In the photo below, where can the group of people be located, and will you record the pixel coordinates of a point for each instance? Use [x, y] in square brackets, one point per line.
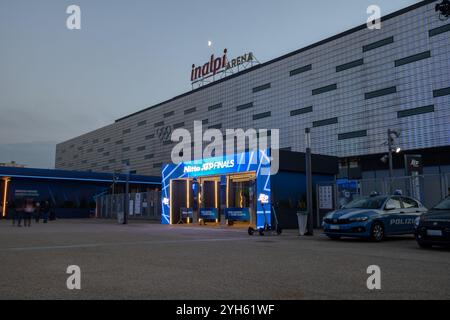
[26, 209]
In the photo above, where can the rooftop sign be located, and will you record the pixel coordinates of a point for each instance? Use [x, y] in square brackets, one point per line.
[220, 66]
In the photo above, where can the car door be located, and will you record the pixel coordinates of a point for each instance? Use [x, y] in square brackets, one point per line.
[392, 215]
[411, 210]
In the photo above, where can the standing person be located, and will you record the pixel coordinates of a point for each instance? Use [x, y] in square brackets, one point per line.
[28, 212]
[19, 204]
[37, 212]
[45, 211]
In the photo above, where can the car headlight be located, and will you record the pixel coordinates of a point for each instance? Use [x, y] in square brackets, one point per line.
[359, 219]
[417, 221]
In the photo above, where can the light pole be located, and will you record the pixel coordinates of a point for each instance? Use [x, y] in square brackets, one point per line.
[392, 135]
[309, 190]
[127, 195]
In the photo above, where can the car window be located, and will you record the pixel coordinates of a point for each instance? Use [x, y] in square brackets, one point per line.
[394, 202]
[444, 205]
[366, 203]
[410, 203]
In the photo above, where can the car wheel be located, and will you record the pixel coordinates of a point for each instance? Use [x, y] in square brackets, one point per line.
[377, 232]
[424, 245]
[334, 237]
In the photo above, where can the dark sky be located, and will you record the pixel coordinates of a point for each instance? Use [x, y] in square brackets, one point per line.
[56, 83]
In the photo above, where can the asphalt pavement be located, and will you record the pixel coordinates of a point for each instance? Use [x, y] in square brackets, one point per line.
[151, 261]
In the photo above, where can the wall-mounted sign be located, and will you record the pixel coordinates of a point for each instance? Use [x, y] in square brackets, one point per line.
[220, 65]
[413, 164]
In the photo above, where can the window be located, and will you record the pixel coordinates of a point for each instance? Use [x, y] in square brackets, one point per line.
[126, 161]
[85, 142]
[350, 65]
[142, 123]
[205, 121]
[84, 162]
[106, 140]
[325, 122]
[149, 156]
[380, 93]
[100, 150]
[89, 150]
[413, 58]
[189, 111]
[112, 161]
[139, 149]
[167, 142]
[150, 136]
[119, 141]
[95, 141]
[178, 125]
[105, 168]
[126, 131]
[394, 203]
[262, 115]
[441, 92]
[125, 149]
[215, 107]
[378, 44]
[409, 203]
[106, 154]
[300, 70]
[159, 124]
[415, 111]
[169, 114]
[261, 88]
[324, 89]
[439, 30]
[244, 106]
[286, 149]
[352, 135]
[157, 165]
[301, 111]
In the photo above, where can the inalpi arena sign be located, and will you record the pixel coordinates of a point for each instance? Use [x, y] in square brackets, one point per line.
[218, 65]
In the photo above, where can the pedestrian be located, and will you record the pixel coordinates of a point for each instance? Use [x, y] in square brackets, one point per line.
[45, 211]
[37, 212]
[28, 212]
[18, 212]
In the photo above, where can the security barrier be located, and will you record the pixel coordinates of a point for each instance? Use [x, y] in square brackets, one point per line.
[141, 206]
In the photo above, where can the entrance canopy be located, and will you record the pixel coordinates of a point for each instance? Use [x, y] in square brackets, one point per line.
[234, 187]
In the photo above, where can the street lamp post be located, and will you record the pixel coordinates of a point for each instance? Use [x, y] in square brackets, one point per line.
[309, 188]
[127, 194]
[390, 145]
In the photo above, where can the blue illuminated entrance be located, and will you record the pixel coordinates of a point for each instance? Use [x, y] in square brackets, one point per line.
[216, 174]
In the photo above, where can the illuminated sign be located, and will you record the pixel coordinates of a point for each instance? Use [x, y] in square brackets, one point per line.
[208, 166]
[263, 198]
[218, 65]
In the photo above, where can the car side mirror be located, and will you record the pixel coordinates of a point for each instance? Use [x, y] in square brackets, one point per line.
[389, 207]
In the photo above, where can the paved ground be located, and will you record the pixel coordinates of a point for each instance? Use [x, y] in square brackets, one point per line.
[150, 261]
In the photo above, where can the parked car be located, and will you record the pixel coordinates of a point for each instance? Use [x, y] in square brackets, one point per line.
[433, 228]
[374, 218]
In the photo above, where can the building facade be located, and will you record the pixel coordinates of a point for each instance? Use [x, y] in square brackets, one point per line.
[350, 89]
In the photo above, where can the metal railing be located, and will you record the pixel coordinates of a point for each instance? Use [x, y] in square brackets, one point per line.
[428, 189]
[141, 206]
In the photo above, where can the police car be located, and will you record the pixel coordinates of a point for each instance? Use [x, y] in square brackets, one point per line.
[374, 218]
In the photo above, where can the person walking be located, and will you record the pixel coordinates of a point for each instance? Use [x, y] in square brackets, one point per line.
[28, 212]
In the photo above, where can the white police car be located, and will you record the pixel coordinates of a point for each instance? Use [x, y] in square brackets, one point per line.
[374, 218]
